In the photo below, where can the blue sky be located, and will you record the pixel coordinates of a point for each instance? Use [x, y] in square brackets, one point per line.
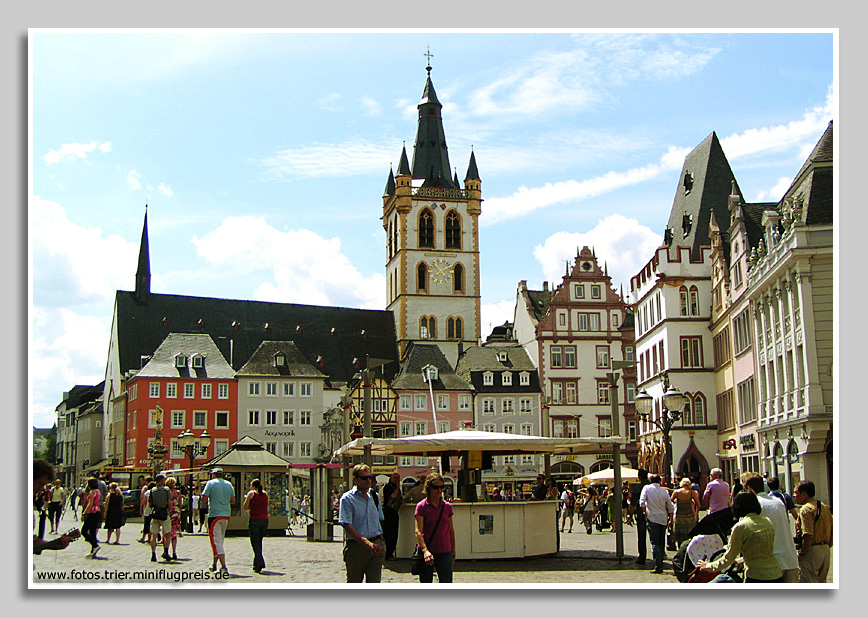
[263, 158]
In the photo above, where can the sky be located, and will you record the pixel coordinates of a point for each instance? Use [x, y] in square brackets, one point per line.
[262, 158]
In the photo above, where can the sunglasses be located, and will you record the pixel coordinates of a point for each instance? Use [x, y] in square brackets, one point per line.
[437, 486]
[364, 478]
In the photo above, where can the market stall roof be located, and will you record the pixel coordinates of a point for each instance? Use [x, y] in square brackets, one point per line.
[607, 476]
[247, 452]
[454, 442]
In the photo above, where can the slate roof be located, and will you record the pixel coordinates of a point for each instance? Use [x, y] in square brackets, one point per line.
[709, 177]
[237, 327]
[430, 155]
[162, 364]
[476, 361]
[419, 355]
[296, 365]
[539, 302]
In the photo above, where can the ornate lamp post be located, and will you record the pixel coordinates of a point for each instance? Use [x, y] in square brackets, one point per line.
[193, 447]
[673, 404]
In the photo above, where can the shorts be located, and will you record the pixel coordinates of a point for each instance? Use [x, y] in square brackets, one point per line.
[216, 534]
[163, 526]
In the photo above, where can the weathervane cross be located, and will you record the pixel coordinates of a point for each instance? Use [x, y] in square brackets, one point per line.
[429, 55]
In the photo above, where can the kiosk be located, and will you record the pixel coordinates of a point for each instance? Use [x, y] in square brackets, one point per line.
[246, 460]
[509, 529]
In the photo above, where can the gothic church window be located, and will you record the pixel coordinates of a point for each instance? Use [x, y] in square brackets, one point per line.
[458, 278]
[422, 277]
[453, 230]
[426, 228]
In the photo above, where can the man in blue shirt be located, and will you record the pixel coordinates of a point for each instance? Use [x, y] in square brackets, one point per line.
[219, 494]
[360, 515]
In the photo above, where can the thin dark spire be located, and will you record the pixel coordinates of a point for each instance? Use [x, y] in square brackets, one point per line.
[143, 272]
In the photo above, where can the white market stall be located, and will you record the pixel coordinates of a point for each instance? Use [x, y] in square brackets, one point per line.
[484, 529]
[608, 476]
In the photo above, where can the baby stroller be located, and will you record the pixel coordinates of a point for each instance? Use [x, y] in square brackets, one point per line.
[707, 541]
[601, 521]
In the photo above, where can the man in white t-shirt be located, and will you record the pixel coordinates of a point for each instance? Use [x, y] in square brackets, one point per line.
[776, 511]
[568, 501]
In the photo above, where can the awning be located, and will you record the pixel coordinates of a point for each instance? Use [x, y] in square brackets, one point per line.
[607, 476]
[455, 442]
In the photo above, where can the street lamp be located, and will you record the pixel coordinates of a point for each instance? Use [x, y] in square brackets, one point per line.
[673, 404]
[193, 447]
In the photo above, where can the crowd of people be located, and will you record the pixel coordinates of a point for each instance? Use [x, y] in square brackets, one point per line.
[756, 510]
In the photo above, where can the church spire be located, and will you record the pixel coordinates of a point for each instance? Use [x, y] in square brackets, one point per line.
[430, 155]
[143, 273]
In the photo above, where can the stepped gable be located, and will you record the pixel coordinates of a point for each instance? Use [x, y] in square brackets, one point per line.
[340, 336]
[419, 356]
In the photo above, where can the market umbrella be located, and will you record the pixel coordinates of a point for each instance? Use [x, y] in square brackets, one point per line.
[607, 476]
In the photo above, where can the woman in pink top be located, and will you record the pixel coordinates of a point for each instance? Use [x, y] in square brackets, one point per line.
[435, 534]
[91, 515]
[256, 502]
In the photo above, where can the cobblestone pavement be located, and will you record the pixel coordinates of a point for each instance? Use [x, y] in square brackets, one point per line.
[582, 559]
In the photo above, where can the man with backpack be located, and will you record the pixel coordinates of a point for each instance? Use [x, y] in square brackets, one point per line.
[568, 502]
[158, 500]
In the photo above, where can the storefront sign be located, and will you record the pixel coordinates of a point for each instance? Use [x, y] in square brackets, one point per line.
[729, 444]
[748, 442]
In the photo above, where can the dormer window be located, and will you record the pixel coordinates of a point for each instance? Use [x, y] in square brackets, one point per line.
[280, 359]
[198, 361]
[502, 357]
[524, 378]
[429, 373]
[506, 379]
[488, 378]
[180, 361]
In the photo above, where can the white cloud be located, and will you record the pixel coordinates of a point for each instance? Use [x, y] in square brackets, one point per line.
[801, 134]
[306, 267]
[134, 180]
[66, 349]
[350, 158]
[330, 102]
[73, 151]
[621, 245]
[74, 264]
[581, 78]
[527, 200]
[775, 193]
[370, 105]
[165, 189]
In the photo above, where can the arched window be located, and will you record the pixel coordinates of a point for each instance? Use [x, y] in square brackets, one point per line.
[458, 278]
[454, 328]
[694, 300]
[427, 327]
[684, 301]
[426, 228]
[422, 277]
[694, 411]
[453, 230]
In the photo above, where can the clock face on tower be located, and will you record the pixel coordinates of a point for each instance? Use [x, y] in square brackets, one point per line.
[440, 270]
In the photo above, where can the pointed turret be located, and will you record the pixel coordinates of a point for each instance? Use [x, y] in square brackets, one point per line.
[472, 171]
[430, 156]
[143, 273]
[403, 164]
[390, 184]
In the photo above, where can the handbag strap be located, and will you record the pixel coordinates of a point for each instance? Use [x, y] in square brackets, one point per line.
[434, 531]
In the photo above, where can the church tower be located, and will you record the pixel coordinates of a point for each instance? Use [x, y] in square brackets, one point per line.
[432, 240]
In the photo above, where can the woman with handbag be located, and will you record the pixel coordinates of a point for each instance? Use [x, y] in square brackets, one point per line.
[435, 534]
[91, 515]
